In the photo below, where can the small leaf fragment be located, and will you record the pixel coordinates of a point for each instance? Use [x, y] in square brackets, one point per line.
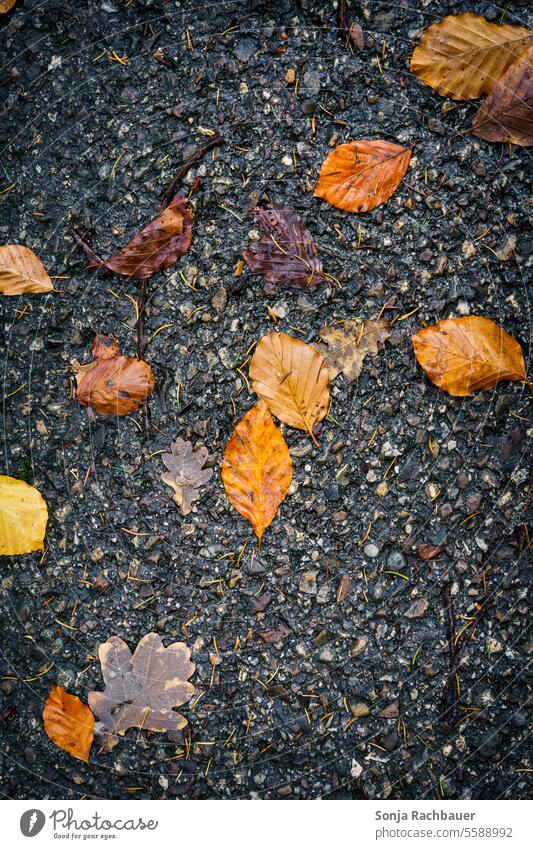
[360, 175]
[112, 384]
[344, 346]
[22, 272]
[464, 355]
[464, 56]
[23, 517]
[426, 551]
[292, 377]
[186, 473]
[507, 113]
[69, 723]
[286, 253]
[257, 468]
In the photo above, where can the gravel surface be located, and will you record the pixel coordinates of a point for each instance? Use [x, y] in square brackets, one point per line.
[102, 101]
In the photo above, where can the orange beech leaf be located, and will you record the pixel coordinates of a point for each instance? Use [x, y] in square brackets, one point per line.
[463, 355]
[464, 56]
[21, 271]
[112, 384]
[361, 175]
[257, 468]
[293, 378]
[69, 723]
[6, 5]
[507, 113]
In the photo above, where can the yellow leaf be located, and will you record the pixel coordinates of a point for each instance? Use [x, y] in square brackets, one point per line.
[22, 271]
[23, 517]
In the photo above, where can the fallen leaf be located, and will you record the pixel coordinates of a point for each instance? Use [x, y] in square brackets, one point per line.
[463, 355]
[23, 517]
[21, 271]
[158, 245]
[286, 253]
[142, 690]
[275, 635]
[426, 551]
[392, 711]
[346, 345]
[69, 723]
[464, 56]
[506, 252]
[361, 175]
[112, 384]
[6, 5]
[257, 468]
[344, 589]
[507, 113]
[292, 378]
[186, 473]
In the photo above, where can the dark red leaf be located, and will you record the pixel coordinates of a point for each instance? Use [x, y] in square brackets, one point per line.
[428, 551]
[275, 635]
[158, 245]
[286, 253]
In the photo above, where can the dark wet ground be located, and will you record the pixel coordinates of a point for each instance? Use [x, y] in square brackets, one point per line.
[90, 140]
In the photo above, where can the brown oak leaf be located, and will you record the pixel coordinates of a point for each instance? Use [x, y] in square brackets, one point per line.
[507, 113]
[344, 346]
[186, 473]
[286, 253]
[142, 690]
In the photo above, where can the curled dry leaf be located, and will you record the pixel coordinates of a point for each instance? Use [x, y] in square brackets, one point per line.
[23, 517]
[112, 384]
[69, 723]
[507, 113]
[22, 272]
[463, 355]
[257, 468]
[142, 690]
[344, 589]
[286, 253]
[186, 473]
[464, 56]
[158, 245]
[293, 379]
[344, 346]
[361, 175]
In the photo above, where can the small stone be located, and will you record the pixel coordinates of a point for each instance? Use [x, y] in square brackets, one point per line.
[308, 583]
[418, 609]
[382, 489]
[326, 655]
[359, 646]
[245, 49]
[396, 560]
[360, 709]
[290, 76]
[371, 550]
[323, 595]
[220, 299]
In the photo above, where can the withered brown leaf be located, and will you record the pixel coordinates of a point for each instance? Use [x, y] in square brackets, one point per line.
[507, 113]
[286, 253]
[68, 723]
[186, 473]
[112, 384]
[158, 245]
[427, 551]
[142, 690]
[344, 346]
